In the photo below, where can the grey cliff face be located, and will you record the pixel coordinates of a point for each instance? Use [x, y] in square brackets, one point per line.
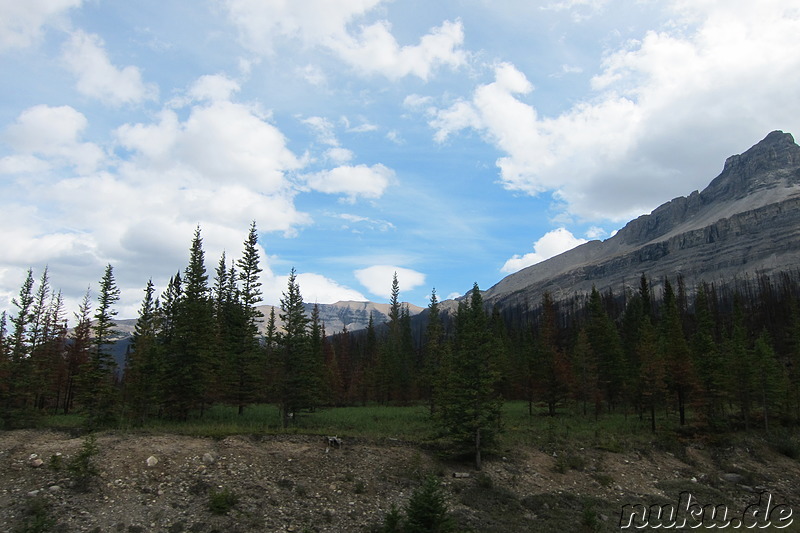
[745, 223]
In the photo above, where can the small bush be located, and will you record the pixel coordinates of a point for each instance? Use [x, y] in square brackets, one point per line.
[56, 462]
[36, 517]
[222, 502]
[426, 512]
[604, 479]
[360, 487]
[82, 467]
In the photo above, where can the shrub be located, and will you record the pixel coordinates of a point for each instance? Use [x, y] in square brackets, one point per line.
[426, 511]
[36, 517]
[222, 502]
[82, 467]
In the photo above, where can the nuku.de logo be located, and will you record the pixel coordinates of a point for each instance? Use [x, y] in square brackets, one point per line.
[689, 513]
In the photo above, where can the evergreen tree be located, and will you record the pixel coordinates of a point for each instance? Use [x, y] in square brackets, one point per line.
[771, 380]
[584, 365]
[471, 406]
[143, 378]
[607, 347]
[78, 352]
[675, 351]
[552, 366]
[739, 363]
[298, 386]
[432, 353]
[99, 390]
[426, 511]
[188, 364]
[708, 361]
[652, 370]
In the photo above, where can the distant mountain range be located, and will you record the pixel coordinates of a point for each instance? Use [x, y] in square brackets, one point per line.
[350, 314]
[745, 223]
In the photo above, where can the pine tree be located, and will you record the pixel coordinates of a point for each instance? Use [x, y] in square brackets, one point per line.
[652, 370]
[432, 353]
[708, 361]
[584, 364]
[188, 364]
[298, 383]
[143, 378]
[551, 363]
[675, 351]
[78, 352]
[471, 404]
[771, 379]
[607, 347]
[99, 391]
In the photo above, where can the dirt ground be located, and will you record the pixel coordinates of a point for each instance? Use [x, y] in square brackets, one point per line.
[166, 483]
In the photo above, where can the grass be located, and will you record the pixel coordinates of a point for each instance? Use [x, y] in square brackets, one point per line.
[614, 432]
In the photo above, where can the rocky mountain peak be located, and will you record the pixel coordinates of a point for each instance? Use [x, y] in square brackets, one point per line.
[764, 165]
[772, 164]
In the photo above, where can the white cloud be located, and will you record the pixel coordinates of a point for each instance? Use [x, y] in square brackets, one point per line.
[323, 128]
[339, 156]
[314, 288]
[352, 181]
[664, 114]
[52, 133]
[357, 221]
[595, 233]
[21, 21]
[374, 50]
[377, 279]
[85, 55]
[214, 87]
[550, 245]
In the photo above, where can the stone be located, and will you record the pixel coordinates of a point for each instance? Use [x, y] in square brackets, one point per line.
[209, 458]
[152, 461]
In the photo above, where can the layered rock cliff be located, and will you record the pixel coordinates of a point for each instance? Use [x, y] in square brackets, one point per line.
[745, 223]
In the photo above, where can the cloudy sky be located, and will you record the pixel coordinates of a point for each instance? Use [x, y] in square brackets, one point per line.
[451, 142]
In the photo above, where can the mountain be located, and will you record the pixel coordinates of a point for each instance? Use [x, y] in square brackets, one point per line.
[354, 315]
[745, 223]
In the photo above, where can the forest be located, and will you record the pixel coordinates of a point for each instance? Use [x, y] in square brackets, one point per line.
[711, 356]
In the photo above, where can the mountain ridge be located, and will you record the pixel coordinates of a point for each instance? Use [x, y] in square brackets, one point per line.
[747, 220]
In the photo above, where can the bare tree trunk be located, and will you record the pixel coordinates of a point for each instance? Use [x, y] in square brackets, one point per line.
[478, 449]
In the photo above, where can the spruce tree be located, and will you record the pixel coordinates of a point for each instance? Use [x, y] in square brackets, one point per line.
[99, 387]
[471, 404]
[553, 373]
[607, 347]
[143, 378]
[675, 351]
[188, 364]
[298, 386]
[78, 352]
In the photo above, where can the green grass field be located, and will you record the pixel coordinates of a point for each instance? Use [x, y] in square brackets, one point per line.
[612, 432]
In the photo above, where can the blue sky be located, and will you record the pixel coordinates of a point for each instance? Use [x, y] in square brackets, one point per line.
[451, 141]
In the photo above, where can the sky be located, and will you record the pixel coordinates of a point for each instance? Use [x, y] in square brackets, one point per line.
[451, 142]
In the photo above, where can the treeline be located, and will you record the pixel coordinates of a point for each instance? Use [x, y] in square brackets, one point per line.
[713, 356]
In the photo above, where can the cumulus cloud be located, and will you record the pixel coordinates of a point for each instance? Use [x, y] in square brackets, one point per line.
[21, 22]
[352, 181]
[214, 87]
[373, 50]
[43, 136]
[315, 288]
[85, 55]
[377, 279]
[664, 114]
[550, 245]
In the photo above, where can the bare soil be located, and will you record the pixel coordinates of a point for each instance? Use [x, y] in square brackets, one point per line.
[299, 483]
